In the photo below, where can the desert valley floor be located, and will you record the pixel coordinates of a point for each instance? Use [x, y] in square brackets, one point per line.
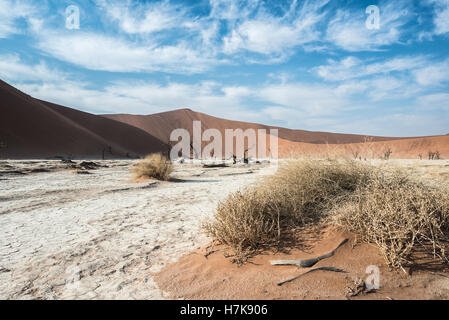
[117, 233]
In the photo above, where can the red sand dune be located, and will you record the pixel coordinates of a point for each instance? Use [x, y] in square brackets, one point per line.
[161, 124]
[293, 143]
[30, 128]
[407, 148]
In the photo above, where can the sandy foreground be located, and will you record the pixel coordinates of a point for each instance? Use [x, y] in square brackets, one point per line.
[99, 235]
[95, 234]
[209, 273]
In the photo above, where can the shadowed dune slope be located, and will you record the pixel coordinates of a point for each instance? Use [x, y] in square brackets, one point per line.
[30, 128]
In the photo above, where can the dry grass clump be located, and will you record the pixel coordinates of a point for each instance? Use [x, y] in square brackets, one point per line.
[400, 215]
[386, 208]
[153, 166]
[301, 193]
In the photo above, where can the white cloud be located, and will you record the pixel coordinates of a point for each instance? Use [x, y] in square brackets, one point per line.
[310, 100]
[100, 52]
[143, 18]
[13, 69]
[347, 29]
[433, 74]
[352, 67]
[11, 11]
[434, 101]
[232, 9]
[271, 35]
[441, 16]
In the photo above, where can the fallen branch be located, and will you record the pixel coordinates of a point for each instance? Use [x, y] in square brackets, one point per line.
[307, 263]
[219, 165]
[316, 269]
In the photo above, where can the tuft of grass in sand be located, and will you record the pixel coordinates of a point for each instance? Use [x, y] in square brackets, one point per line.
[382, 207]
[153, 166]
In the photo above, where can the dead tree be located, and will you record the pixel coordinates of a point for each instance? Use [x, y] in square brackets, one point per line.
[387, 154]
[193, 151]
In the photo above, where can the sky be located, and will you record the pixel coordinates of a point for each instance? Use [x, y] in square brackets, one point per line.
[363, 67]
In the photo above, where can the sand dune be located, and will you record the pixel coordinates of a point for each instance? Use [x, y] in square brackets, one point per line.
[30, 128]
[407, 148]
[161, 124]
[293, 142]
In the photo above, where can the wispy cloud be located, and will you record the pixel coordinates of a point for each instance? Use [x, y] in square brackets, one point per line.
[11, 12]
[268, 34]
[433, 74]
[441, 16]
[143, 18]
[12, 68]
[352, 67]
[101, 52]
[347, 29]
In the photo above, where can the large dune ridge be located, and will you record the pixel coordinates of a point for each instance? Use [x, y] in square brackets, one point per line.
[30, 128]
[161, 124]
[293, 143]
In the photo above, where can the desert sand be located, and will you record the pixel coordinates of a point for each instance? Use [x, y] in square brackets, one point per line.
[142, 240]
[205, 275]
[211, 273]
[117, 232]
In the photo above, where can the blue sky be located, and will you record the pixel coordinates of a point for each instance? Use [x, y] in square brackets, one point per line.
[313, 65]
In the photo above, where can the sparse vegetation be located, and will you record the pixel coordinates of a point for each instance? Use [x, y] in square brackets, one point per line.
[386, 208]
[153, 166]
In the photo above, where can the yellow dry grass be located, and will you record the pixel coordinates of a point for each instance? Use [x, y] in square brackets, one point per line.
[382, 206]
[153, 166]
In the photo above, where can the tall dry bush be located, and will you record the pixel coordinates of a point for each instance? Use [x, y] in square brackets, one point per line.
[400, 215]
[153, 166]
[386, 208]
[301, 193]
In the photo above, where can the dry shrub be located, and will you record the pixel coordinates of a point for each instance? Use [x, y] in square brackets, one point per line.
[298, 195]
[399, 214]
[386, 208]
[153, 166]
